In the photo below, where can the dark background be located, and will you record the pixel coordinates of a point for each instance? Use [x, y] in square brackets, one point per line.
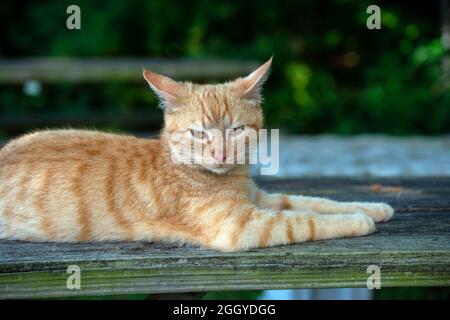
[330, 74]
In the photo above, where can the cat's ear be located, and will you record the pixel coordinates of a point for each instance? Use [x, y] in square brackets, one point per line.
[250, 86]
[169, 91]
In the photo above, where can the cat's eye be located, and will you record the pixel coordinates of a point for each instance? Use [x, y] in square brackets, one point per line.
[198, 134]
[239, 129]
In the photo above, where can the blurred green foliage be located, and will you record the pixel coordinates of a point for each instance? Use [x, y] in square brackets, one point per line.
[330, 73]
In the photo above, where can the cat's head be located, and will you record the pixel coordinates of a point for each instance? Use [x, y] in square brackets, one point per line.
[207, 125]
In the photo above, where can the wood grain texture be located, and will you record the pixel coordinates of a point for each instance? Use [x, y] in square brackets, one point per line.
[413, 249]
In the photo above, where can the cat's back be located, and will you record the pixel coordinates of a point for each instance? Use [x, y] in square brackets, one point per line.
[69, 160]
[62, 146]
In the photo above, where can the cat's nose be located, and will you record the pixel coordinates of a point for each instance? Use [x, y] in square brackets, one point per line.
[220, 156]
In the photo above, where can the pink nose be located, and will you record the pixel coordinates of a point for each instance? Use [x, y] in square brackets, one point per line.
[220, 157]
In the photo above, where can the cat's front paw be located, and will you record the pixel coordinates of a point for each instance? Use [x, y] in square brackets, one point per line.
[379, 212]
[363, 225]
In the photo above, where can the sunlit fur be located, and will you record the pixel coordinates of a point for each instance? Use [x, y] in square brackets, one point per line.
[75, 185]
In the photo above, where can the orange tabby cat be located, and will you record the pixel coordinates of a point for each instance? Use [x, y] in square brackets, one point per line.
[76, 185]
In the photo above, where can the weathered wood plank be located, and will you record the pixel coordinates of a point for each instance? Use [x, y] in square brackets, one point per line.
[119, 69]
[412, 250]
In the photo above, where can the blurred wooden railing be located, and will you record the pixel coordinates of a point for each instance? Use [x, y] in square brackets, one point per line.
[123, 69]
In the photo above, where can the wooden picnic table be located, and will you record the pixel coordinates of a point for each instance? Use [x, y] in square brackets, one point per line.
[413, 249]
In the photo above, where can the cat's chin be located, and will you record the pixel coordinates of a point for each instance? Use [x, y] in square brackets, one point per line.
[218, 169]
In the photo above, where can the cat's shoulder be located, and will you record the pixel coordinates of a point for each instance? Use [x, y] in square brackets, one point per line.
[66, 137]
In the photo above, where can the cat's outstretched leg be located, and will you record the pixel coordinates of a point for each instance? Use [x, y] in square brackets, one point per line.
[233, 225]
[379, 212]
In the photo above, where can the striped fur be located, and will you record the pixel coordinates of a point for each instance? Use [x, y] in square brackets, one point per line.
[76, 185]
